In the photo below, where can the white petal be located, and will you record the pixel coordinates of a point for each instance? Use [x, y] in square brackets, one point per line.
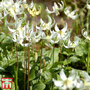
[72, 75]
[50, 20]
[56, 28]
[73, 12]
[11, 30]
[74, 17]
[57, 83]
[48, 11]
[55, 5]
[62, 75]
[65, 28]
[41, 21]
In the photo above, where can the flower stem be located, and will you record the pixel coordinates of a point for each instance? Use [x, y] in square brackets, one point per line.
[88, 59]
[40, 60]
[24, 68]
[53, 61]
[88, 41]
[16, 67]
[53, 68]
[28, 67]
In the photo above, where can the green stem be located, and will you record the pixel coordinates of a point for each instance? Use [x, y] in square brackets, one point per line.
[88, 41]
[28, 67]
[25, 68]
[53, 68]
[76, 21]
[40, 61]
[16, 67]
[88, 59]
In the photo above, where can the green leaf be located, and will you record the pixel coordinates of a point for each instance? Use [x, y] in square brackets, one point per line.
[74, 59]
[32, 74]
[81, 49]
[39, 86]
[47, 75]
[66, 62]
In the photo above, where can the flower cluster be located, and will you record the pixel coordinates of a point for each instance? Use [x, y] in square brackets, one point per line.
[25, 32]
[79, 80]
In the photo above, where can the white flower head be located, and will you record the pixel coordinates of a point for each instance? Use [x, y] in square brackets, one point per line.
[44, 25]
[85, 34]
[86, 79]
[32, 9]
[71, 14]
[56, 8]
[66, 82]
[15, 9]
[64, 33]
[72, 44]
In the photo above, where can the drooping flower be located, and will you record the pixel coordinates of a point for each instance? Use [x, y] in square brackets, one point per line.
[4, 5]
[66, 82]
[16, 9]
[63, 34]
[72, 44]
[53, 37]
[71, 14]
[85, 34]
[56, 8]
[33, 10]
[46, 26]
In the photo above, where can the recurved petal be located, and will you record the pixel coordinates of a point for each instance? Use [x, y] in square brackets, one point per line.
[56, 28]
[65, 28]
[11, 30]
[73, 12]
[61, 5]
[55, 5]
[48, 11]
[74, 17]
[41, 21]
[50, 20]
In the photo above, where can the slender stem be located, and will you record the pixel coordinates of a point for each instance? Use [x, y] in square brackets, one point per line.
[76, 21]
[53, 61]
[88, 59]
[53, 68]
[82, 21]
[24, 68]
[12, 49]
[88, 41]
[61, 51]
[28, 67]
[17, 67]
[40, 61]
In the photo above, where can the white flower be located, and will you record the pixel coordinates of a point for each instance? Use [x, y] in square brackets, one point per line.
[86, 80]
[63, 34]
[88, 6]
[70, 14]
[85, 34]
[78, 82]
[6, 4]
[72, 44]
[44, 25]
[32, 9]
[56, 8]
[16, 9]
[54, 38]
[66, 82]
